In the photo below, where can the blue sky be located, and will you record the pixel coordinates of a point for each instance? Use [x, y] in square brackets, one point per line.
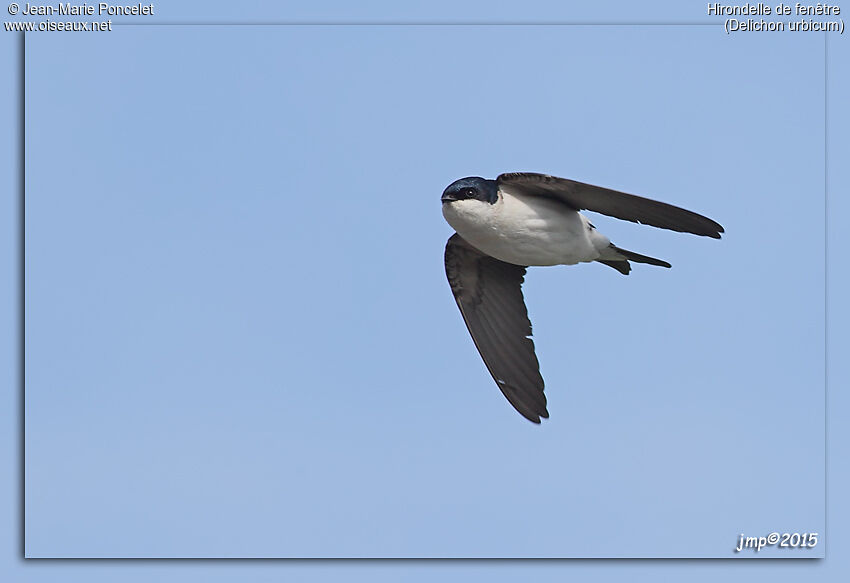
[240, 341]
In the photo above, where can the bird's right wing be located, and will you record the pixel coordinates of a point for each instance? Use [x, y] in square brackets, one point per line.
[621, 205]
[489, 295]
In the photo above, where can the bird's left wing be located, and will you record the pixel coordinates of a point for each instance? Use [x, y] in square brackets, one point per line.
[489, 295]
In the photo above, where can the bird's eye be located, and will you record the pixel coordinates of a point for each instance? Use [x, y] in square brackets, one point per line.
[469, 192]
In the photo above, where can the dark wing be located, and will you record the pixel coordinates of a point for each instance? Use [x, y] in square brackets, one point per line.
[489, 295]
[624, 206]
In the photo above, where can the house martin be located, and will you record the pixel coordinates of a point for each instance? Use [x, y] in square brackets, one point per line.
[524, 219]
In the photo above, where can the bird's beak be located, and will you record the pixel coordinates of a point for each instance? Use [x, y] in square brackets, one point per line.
[447, 198]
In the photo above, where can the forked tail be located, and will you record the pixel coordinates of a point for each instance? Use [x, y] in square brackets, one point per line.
[623, 266]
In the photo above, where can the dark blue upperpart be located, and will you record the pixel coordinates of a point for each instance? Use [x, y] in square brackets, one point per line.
[472, 187]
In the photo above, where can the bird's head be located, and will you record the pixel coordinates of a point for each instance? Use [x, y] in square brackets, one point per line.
[471, 188]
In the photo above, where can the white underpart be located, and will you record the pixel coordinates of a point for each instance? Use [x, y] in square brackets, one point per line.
[527, 230]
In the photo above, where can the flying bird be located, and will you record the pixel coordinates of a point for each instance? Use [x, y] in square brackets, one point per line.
[524, 219]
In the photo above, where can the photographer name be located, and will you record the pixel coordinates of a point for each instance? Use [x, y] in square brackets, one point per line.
[85, 9]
